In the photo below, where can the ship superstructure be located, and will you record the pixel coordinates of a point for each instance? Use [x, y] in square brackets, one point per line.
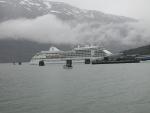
[79, 54]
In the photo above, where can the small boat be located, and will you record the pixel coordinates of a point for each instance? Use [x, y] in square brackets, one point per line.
[41, 63]
[19, 63]
[68, 64]
[66, 67]
[87, 61]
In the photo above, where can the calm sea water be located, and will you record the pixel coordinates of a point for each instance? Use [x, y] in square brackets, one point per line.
[115, 88]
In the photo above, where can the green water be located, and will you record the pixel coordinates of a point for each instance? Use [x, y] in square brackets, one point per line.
[115, 88]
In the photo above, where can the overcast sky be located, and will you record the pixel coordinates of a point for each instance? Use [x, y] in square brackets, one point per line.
[139, 9]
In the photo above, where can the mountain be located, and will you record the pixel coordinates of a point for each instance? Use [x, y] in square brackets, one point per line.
[25, 38]
[13, 9]
[144, 50]
[23, 50]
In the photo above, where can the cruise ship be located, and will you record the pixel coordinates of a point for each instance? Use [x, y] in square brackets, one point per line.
[77, 55]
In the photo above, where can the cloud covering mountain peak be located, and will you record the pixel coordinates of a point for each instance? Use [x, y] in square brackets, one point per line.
[46, 21]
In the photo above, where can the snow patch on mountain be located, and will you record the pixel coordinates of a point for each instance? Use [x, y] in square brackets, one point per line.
[52, 11]
[47, 4]
[26, 2]
[68, 13]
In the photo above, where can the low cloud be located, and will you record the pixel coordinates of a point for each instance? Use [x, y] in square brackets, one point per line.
[42, 29]
[49, 28]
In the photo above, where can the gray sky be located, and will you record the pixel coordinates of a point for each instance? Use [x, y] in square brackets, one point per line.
[139, 9]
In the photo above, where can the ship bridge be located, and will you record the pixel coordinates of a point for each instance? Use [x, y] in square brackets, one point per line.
[52, 50]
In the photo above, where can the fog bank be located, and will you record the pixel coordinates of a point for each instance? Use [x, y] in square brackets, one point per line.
[49, 28]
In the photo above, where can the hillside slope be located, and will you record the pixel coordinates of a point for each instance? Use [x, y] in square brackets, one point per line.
[145, 50]
[23, 50]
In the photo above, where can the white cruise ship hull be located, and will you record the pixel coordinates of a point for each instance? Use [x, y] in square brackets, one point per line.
[59, 61]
